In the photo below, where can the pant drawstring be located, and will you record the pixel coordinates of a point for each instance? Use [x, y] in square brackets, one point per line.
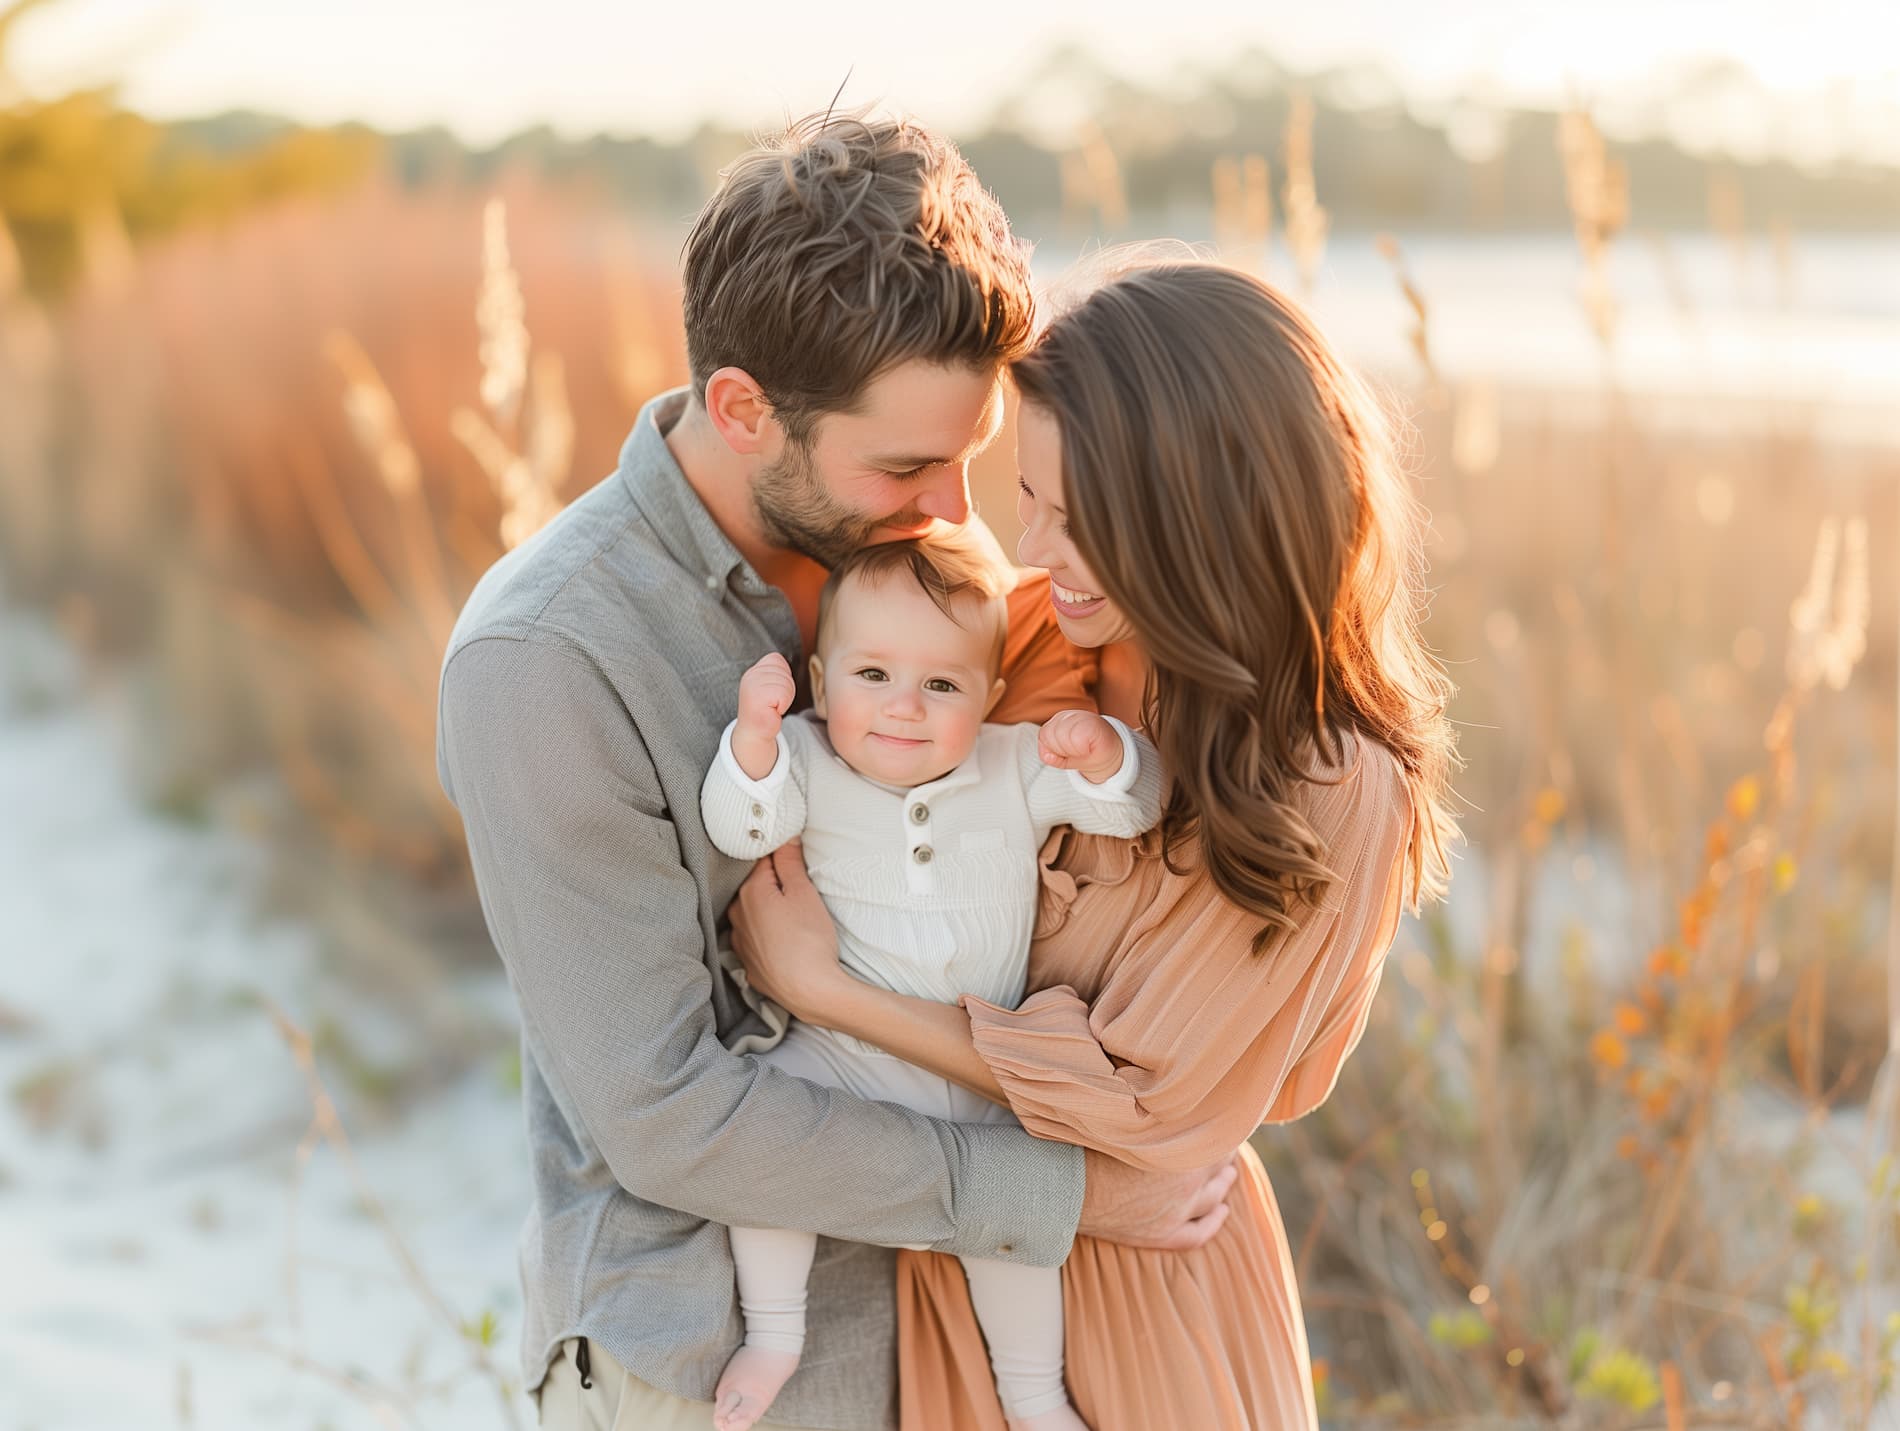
[582, 1365]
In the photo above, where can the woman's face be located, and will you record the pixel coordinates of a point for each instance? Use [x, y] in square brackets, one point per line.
[1086, 616]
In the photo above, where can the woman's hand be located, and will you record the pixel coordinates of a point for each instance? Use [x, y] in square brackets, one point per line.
[783, 934]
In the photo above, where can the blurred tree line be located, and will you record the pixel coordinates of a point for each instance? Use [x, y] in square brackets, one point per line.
[80, 175]
[79, 172]
[1470, 167]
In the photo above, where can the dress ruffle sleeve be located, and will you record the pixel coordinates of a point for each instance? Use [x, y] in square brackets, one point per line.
[1193, 1040]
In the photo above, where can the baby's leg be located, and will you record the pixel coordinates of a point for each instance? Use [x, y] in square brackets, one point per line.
[1020, 1311]
[773, 1267]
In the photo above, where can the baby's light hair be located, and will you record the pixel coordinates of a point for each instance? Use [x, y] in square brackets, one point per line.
[952, 569]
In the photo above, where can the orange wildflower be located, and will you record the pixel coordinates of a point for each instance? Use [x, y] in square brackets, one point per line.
[1608, 1050]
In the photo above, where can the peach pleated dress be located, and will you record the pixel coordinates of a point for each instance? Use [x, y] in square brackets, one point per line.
[1154, 1034]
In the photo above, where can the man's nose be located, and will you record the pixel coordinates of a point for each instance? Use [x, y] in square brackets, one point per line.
[948, 496]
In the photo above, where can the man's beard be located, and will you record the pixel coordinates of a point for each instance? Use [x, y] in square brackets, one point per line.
[797, 513]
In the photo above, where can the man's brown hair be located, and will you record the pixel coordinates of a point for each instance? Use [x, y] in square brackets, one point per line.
[952, 569]
[841, 248]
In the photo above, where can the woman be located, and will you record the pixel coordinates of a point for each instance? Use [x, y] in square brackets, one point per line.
[1234, 563]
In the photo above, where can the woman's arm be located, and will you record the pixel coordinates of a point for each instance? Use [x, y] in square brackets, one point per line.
[1170, 1212]
[1191, 1040]
[920, 1031]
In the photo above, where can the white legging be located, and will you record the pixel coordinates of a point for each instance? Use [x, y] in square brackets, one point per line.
[1018, 1307]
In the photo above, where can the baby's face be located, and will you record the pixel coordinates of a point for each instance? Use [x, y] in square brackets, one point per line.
[901, 686]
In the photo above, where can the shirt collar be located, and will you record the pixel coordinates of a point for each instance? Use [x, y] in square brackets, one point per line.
[967, 773]
[659, 488]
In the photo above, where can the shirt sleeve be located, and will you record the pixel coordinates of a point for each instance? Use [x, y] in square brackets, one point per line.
[598, 921]
[1194, 1040]
[746, 818]
[1123, 805]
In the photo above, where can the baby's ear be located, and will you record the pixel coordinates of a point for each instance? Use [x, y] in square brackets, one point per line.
[996, 694]
[817, 669]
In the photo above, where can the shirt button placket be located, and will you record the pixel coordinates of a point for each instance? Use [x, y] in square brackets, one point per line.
[917, 827]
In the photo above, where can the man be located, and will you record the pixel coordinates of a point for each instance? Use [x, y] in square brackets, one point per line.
[851, 294]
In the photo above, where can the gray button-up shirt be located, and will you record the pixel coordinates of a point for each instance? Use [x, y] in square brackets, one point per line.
[582, 698]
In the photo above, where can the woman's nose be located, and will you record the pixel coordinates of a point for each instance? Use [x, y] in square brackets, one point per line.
[1029, 549]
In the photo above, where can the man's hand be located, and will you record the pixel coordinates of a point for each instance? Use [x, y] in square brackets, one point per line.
[1172, 1212]
[1081, 741]
[783, 934]
[766, 692]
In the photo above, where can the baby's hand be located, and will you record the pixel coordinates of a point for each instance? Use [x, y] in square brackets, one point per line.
[766, 692]
[1081, 741]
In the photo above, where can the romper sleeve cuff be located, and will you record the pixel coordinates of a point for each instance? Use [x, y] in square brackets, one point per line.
[773, 781]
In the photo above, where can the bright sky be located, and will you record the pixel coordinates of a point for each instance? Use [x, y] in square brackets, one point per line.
[487, 67]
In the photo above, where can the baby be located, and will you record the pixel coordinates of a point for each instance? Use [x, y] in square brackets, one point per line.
[921, 826]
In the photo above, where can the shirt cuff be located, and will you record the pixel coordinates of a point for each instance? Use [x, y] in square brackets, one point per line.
[1117, 786]
[774, 781]
[1018, 1198]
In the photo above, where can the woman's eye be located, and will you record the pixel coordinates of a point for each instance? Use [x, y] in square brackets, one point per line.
[873, 673]
[1023, 487]
[938, 683]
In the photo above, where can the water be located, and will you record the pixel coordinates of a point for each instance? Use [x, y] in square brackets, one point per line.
[1707, 329]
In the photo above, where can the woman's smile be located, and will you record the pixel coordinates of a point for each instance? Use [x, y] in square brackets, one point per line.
[1073, 604]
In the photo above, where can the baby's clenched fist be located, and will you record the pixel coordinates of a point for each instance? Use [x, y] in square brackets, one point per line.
[766, 693]
[1081, 741]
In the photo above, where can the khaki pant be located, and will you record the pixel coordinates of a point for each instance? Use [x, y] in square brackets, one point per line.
[618, 1400]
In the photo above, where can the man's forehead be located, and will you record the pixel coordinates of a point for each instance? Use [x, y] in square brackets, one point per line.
[945, 410]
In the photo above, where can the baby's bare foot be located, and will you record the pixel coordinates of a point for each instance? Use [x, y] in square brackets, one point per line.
[1063, 1418]
[750, 1383]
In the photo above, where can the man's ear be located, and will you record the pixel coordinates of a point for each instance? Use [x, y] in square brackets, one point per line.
[739, 412]
[817, 669]
[996, 694]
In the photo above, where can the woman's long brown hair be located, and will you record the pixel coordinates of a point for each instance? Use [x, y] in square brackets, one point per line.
[1233, 486]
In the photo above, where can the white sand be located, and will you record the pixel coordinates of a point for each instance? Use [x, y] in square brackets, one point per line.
[150, 1202]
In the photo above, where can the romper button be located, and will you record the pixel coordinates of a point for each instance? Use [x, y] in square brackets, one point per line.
[921, 854]
[919, 813]
[754, 835]
[758, 809]
[1007, 1247]
[712, 583]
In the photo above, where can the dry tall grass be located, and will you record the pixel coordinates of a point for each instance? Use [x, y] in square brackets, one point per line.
[275, 459]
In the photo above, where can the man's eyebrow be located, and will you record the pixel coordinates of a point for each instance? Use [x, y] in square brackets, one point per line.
[908, 464]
